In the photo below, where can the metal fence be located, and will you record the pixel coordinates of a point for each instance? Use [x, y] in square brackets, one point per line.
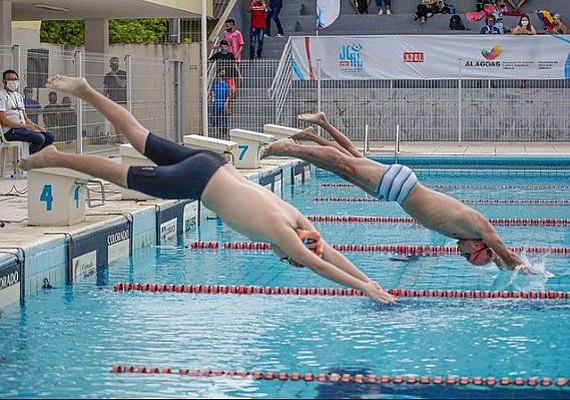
[153, 95]
[425, 110]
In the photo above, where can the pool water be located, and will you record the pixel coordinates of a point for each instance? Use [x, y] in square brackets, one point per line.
[64, 341]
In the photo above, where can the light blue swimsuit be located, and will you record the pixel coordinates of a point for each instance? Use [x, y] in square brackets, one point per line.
[396, 183]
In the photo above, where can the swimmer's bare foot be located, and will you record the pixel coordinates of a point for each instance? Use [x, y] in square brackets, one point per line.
[277, 148]
[68, 84]
[306, 134]
[317, 118]
[40, 159]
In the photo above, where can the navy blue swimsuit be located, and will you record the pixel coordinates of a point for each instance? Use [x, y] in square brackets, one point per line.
[181, 173]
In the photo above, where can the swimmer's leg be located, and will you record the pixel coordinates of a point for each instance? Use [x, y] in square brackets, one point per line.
[321, 120]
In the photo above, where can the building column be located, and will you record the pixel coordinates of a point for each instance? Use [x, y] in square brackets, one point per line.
[97, 35]
[6, 22]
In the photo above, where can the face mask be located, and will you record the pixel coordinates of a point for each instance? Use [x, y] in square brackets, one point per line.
[224, 49]
[12, 85]
[524, 23]
[228, 28]
[490, 23]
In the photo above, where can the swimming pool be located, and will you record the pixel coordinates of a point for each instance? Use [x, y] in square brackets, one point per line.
[65, 341]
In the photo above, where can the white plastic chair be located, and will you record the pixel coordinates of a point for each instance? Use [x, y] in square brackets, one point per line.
[23, 149]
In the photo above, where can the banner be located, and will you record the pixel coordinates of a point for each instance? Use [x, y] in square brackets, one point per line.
[431, 57]
[327, 12]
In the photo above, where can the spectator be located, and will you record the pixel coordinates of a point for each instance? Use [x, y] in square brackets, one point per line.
[558, 27]
[257, 26]
[490, 28]
[220, 94]
[480, 4]
[383, 6]
[275, 7]
[33, 108]
[516, 8]
[226, 60]
[115, 88]
[115, 83]
[498, 14]
[15, 123]
[51, 113]
[423, 10]
[456, 23]
[234, 39]
[361, 6]
[524, 27]
[68, 120]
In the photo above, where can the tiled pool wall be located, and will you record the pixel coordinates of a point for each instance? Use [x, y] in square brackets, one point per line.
[67, 257]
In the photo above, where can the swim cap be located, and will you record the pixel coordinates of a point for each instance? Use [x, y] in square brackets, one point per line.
[312, 240]
[481, 256]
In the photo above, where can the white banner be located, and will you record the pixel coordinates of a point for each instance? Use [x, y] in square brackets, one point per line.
[431, 57]
[327, 12]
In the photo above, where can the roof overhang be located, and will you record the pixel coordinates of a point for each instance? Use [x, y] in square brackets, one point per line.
[26, 10]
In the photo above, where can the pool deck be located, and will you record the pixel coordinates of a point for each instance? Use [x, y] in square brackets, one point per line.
[15, 232]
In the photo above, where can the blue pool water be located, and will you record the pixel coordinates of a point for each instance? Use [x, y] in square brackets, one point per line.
[64, 342]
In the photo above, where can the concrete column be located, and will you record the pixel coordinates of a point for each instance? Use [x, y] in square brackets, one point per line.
[5, 22]
[96, 35]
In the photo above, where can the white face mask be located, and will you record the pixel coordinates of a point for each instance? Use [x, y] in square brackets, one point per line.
[12, 85]
[524, 23]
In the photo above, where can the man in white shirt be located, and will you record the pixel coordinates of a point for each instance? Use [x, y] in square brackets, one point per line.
[15, 123]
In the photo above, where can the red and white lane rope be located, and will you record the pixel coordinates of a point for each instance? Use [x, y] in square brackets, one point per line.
[494, 221]
[465, 201]
[524, 187]
[380, 248]
[334, 292]
[344, 378]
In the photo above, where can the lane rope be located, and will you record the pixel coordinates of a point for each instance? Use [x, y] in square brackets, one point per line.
[334, 292]
[345, 378]
[380, 248]
[465, 201]
[494, 221]
[525, 187]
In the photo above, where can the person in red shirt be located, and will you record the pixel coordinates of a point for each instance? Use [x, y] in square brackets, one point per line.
[257, 8]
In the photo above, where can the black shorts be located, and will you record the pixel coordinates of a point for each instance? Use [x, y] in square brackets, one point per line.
[181, 173]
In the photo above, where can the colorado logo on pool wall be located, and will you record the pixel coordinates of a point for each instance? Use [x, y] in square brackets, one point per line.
[171, 221]
[10, 283]
[92, 252]
[300, 173]
[273, 180]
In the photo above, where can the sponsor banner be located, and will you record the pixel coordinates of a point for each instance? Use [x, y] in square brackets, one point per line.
[168, 231]
[272, 180]
[431, 57]
[298, 173]
[84, 266]
[10, 283]
[102, 246]
[166, 215]
[190, 215]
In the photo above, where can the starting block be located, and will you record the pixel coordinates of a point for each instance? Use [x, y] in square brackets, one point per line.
[249, 147]
[226, 148]
[131, 157]
[279, 131]
[56, 197]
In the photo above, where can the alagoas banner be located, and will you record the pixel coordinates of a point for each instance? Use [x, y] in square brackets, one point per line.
[431, 57]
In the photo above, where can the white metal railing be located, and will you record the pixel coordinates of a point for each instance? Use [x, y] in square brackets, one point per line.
[153, 96]
[282, 82]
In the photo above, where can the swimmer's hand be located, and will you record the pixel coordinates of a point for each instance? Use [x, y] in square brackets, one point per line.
[376, 293]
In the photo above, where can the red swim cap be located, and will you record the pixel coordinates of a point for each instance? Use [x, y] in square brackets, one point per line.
[481, 256]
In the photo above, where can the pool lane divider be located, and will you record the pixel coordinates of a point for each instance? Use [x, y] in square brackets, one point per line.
[333, 292]
[465, 201]
[344, 378]
[525, 187]
[410, 220]
[379, 248]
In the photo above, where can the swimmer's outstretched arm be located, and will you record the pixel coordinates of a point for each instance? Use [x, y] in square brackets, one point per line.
[288, 242]
[506, 258]
[340, 261]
